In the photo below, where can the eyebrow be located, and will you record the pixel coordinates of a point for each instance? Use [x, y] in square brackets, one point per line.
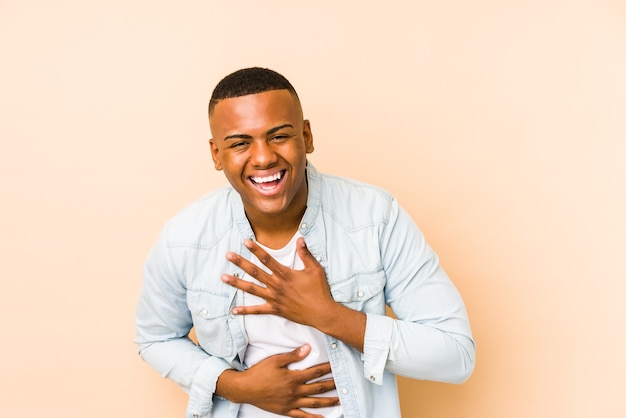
[269, 132]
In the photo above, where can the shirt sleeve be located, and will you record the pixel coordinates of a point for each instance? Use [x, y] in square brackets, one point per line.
[431, 338]
[163, 322]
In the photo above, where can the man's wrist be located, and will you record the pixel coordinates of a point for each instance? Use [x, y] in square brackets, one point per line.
[226, 385]
[345, 324]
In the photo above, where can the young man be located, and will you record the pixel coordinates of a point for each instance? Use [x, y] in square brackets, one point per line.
[285, 276]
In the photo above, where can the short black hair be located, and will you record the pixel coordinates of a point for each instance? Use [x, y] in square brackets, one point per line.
[249, 81]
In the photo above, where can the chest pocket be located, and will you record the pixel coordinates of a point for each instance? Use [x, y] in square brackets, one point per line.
[362, 292]
[210, 319]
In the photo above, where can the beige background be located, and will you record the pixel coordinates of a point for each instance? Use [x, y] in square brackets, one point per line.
[499, 125]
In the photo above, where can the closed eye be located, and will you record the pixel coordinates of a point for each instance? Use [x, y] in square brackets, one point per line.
[280, 137]
[238, 144]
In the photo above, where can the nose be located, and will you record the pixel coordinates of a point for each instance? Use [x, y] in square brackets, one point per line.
[262, 155]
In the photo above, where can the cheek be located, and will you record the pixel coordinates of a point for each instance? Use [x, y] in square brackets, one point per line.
[231, 169]
[235, 181]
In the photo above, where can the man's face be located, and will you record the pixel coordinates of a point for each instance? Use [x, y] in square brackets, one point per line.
[260, 141]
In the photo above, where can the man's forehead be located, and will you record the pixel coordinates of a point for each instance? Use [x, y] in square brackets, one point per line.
[272, 102]
[255, 113]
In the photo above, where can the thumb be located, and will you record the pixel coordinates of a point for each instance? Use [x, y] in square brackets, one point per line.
[296, 355]
[303, 351]
[305, 255]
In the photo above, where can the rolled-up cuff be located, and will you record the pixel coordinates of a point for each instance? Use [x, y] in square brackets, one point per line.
[203, 387]
[376, 347]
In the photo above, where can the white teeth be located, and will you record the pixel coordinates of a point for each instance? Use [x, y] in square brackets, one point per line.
[267, 179]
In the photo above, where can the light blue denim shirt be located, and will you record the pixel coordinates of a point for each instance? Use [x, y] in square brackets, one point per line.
[373, 254]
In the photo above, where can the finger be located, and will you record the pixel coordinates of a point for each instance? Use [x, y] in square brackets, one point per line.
[297, 413]
[313, 403]
[245, 285]
[318, 388]
[264, 309]
[305, 255]
[267, 260]
[317, 402]
[251, 269]
[253, 289]
[313, 372]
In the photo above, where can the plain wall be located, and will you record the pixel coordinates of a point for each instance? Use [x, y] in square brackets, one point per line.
[500, 127]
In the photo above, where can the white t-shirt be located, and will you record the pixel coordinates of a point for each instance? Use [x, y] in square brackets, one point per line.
[271, 334]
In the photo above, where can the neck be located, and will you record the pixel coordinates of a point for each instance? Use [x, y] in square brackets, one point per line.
[276, 229]
[275, 239]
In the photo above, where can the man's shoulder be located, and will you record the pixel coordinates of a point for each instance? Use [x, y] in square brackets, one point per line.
[209, 214]
[335, 186]
[354, 199]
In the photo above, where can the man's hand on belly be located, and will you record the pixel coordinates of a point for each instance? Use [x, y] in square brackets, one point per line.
[272, 386]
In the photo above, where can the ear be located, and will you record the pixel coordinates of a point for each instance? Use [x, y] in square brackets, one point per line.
[215, 155]
[308, 136]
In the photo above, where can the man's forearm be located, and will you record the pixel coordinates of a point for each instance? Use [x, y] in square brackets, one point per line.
[344, 324]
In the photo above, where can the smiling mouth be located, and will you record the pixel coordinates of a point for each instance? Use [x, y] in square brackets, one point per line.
[268, 182]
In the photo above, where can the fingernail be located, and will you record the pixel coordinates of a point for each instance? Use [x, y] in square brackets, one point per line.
[248, 243]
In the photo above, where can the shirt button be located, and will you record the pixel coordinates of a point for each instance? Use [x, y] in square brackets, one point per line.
[360, 294]
[235, 274]
[303, 226]
[333, 345]
[204, 312]
[372, 378]
[318, 258]
[344, 391]
[196, 416]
